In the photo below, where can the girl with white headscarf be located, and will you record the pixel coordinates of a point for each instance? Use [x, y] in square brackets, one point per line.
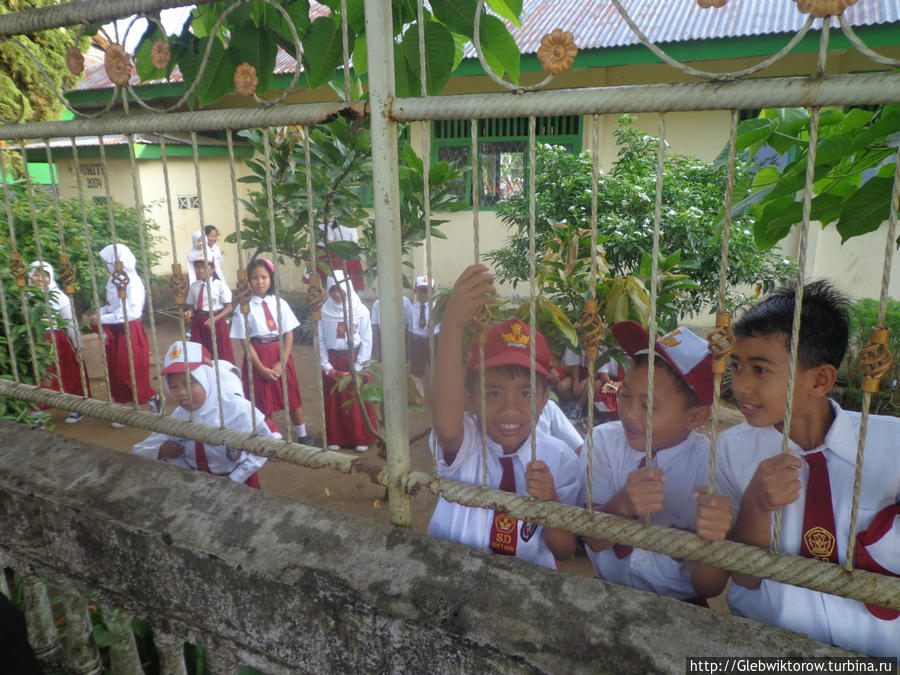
[112, 321]
[61, 330]
[198, 393]
[344, 424]
[196, 253]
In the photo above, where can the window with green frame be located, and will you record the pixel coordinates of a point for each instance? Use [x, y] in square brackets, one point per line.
[502, 151]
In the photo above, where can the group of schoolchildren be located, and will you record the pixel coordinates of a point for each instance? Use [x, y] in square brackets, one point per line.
[812, 484]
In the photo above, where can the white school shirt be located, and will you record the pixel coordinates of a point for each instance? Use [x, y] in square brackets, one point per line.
[259, 327]
[411, 318]
[213, 302]
[333, 336]
[827, 618]
[685, 466]
[215, 254]
[238, 465]
[553, 422]
[471, 525]
[375, 312]
[112, 311]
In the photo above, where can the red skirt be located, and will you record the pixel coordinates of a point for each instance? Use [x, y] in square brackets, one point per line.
[268, 394]
[117, 360]
[352, 268]
[202, 334]
[344, 425]
[68, 366]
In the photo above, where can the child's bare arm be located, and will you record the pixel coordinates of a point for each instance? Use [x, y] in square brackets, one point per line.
[540, 485]
[640, 496]
[714, 517]
[472, 290]
[775, 484]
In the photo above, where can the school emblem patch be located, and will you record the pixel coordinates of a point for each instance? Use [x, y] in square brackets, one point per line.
[820, 543]
[503, 534]
[175, 353]
[516, 338]
[527, 530]
[232, 454]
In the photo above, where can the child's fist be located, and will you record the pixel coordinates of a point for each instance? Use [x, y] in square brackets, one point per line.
[170, 449]
[714, 514]
[775, 484]
[473, 289]
[539, 481]
[643, 491]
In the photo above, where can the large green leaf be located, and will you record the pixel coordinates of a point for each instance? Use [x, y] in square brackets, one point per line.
[439, 52]
[217, 78]
[360, 56]
[458, 15]
[508, 9]
[777, 219]
[323, 42]
[866, 209]
[499, 48]
[405, 83]
[144, 67]
[298, 10]
[749, 132]
[257, 48]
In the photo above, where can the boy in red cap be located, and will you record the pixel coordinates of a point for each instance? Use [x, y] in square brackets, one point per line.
[555, 475]
[672, 489]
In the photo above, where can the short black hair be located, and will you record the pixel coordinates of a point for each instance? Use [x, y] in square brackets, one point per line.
[210, 228]
[683, 388]
[472, 379]
[824, 322]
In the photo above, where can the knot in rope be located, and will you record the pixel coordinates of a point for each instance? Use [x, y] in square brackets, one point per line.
[120, 280]
[875, 359]
[592, 329]
[242, 293]
[67, 274]
[315, 295]
[178, 284]
[17, 267]
[482, 320]
[721, 342]
[823, 8]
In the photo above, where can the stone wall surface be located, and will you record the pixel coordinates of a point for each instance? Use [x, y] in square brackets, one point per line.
[290, 587]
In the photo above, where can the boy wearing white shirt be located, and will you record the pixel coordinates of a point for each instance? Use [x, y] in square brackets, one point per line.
[457, 438]
[417, 315]
[672, 489]
[812, 484]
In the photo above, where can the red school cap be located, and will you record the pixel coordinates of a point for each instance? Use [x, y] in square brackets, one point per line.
[686, 352]
[509, 344]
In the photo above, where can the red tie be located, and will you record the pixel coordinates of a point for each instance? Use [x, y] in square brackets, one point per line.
[270, 320]
[422, 321]
[818, 540]
[200, 457]
[621, 550]
[200, 297]
[504, 536]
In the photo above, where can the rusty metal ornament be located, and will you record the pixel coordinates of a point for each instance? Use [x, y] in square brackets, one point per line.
[592, 329]
[242, 293]
[120, 280]
[160, 54]
[482, 320]
[178, 284]
[316, 297]
[66, 274]
[245, 79]
[721, 342]
[823, 8]
[75, 60]
[17, 267]
[117, 64]
[875, 359]
[705, 4]
[557, 51]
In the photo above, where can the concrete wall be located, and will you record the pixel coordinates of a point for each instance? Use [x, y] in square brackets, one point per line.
[290, 587]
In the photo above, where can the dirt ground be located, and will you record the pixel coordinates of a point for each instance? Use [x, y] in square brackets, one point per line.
[354, 494]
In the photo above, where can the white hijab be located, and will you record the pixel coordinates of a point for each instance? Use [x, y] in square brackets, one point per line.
[196, 253]
[108, 256]
[55, 295]
[333, 310]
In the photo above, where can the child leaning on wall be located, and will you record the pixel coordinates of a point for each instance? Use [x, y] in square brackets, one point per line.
[457, 437]
[812, 484]
[672, 489]
[195, 391]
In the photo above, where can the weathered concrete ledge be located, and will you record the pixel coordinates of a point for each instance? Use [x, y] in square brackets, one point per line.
[286, 586]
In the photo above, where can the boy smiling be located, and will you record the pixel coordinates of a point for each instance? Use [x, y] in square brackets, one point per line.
[813, 483]
[457, 441]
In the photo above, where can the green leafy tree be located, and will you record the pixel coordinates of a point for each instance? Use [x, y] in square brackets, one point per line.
[693, 194]
[22, 84]
[253, 32]
[854, 167]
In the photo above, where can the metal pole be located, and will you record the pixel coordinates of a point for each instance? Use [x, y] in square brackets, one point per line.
[386, 191]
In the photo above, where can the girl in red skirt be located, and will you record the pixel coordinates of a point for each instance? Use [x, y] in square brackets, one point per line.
[262, 355]
[115, 336]
[344, 424]
[62, 333]
[209, 306]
